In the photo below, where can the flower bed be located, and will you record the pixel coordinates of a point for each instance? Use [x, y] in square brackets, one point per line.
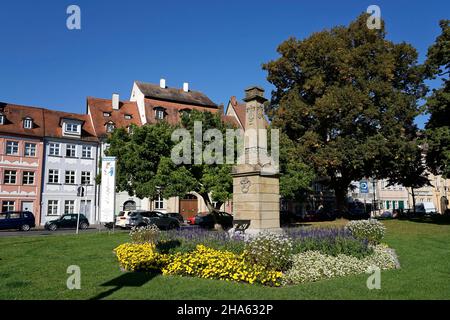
[299, 255]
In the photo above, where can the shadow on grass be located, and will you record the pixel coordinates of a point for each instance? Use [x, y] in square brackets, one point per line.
[439, 220]
[129, 279]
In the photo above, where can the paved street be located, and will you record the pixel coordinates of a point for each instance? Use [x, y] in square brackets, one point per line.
[42, 232]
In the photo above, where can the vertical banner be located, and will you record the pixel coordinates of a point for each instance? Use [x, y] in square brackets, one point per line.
[363, 186]
[108, 190]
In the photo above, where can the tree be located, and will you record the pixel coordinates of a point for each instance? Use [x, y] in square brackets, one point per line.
[438, 104]
[347, 99]
[410, 169]
[212, 181]
[145, 167]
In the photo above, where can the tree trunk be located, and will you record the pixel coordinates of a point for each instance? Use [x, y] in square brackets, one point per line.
[340, 193]
[211, 208]
[413, 200]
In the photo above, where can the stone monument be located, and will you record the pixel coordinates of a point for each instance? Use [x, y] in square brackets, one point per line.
[256, 190]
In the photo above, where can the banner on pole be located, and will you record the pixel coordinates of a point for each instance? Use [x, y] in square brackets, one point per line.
[363, 186]
[108, 190]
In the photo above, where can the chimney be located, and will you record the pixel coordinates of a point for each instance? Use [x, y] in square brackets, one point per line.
[115, 101]
[162, 83]
[186, 87]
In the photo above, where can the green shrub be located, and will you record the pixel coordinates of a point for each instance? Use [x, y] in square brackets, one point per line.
[270, 250]
[371, 230]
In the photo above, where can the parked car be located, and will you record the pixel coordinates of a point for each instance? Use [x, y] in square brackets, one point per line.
[177, 216]
[124, 218]
[425, 209]
[145, 218]
[21, 220]
[68, 221]
[223, 218]
[195, 219]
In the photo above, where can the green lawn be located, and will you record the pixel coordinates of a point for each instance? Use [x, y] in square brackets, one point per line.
[35, 268]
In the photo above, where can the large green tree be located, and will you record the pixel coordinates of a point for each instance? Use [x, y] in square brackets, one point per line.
[145, 167]
[438, 104]
[347, 98]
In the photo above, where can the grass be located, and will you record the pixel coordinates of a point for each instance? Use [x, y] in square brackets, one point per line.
[35, 268]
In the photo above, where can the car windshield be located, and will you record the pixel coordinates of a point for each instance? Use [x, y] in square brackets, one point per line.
[121, 213]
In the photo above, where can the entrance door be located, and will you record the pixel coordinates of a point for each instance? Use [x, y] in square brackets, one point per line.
[27, 206]
[189, 206]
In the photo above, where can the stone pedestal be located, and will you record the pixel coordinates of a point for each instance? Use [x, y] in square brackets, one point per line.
[256, 198]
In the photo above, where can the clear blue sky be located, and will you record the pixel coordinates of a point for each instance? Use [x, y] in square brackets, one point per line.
[217, 46]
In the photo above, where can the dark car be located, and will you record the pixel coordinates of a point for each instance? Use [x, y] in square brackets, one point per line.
[177, 216]
[21, 220]
[207, 220]
[145, 218]
[68, 221]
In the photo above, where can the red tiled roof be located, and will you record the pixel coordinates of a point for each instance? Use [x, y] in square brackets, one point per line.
[239, 109]
[53, 127]
[231, 120]
[99, 106]
[14, 115]
[171, 109]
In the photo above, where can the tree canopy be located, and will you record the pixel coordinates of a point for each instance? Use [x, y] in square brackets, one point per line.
[438, 104]
[347, 99]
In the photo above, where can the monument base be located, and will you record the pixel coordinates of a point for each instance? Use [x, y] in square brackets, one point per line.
[256, 197]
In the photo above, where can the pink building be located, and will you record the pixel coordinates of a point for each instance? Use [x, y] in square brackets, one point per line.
[21, 158]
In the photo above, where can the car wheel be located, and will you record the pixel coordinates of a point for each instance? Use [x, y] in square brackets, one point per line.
[84, 226]
[25, 227]
[52, 227]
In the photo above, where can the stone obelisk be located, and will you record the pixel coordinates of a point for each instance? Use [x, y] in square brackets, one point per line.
[256, 190]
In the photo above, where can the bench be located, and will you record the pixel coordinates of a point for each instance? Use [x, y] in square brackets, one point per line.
[241, 225]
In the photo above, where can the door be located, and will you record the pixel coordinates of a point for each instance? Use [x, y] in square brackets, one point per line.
[189, 206]
[27, 206]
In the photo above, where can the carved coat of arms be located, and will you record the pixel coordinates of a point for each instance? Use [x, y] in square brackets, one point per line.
[245, 185]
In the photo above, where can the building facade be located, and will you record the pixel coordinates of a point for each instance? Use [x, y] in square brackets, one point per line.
[70, 162]
[21, 153]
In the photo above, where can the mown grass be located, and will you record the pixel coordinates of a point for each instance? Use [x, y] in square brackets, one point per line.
[35, 268]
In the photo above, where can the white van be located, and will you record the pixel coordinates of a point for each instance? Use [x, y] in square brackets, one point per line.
[426, 208]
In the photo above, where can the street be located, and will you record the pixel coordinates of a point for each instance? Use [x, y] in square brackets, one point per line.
[40, 231]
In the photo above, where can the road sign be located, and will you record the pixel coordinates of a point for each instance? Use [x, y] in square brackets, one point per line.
[363, 186]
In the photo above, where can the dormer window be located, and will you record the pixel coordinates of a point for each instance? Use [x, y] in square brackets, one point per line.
[130, 129]
[110, 126]
[128, 117]
[72, 128]
[107, 114]
[2, 119]
[28, 123]
[159, 113]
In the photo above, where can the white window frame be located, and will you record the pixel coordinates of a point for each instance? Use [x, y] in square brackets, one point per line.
[54, 149]
[10, 204]
[71, 147]
[72, 128]
[28, 123]
[13, 146]
[9, 176]
[69, 206]
[110, 127]
[52, 207]
[2, 119]
[53, 176]
[159, 114]
[71, 175]
[28, 178]
[159, 203]
[30, 149]
[86, 152]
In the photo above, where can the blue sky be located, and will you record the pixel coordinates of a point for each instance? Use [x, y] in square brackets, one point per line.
[217, 46]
